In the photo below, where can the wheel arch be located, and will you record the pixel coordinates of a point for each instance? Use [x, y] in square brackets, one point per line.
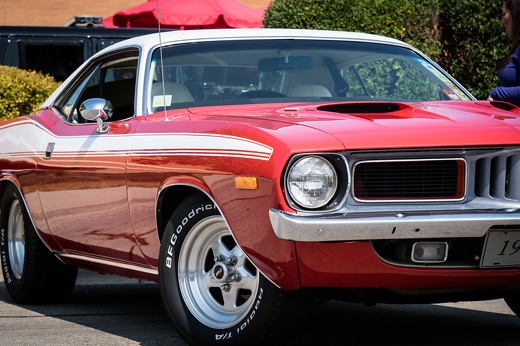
[5, 182]
[171, 195]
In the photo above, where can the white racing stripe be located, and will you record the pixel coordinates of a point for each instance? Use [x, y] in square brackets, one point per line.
[28, 138]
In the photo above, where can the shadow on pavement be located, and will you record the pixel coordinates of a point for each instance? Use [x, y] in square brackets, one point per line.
[131, 313]
[337, 323]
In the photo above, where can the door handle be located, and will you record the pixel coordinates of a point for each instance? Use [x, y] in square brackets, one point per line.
[49, 150]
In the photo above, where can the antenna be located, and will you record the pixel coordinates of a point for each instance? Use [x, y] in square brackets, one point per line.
[161, 58]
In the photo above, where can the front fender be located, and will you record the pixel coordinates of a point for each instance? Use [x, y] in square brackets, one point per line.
[246, 213]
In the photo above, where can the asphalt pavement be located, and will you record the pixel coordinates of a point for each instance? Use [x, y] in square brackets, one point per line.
[108, 310]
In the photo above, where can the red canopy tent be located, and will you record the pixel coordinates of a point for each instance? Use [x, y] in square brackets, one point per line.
[188, 14]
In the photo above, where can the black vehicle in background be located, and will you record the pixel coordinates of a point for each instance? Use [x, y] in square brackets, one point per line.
[57, 51]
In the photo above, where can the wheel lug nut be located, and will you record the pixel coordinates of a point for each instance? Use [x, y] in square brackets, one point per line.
[225, 288]
[236, 277]
[233, 259]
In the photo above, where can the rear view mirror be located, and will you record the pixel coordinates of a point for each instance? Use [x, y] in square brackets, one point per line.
[287, 63]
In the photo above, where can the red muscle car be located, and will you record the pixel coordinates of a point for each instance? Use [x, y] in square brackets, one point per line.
[248, 170]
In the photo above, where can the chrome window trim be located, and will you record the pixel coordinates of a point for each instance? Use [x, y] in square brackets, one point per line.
[88, 68]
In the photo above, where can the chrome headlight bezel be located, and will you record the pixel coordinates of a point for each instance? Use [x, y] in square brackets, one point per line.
[338, 172]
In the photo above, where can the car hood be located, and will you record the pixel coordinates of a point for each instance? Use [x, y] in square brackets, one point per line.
[393, 125]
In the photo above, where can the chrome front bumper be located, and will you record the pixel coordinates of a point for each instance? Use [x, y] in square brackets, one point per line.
[397, 226]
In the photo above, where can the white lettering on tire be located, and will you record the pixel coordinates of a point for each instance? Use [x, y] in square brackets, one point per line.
[180, 228]
[246, 323]
[5, 268]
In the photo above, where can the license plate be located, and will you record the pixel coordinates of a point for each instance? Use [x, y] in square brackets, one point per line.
[502, 249]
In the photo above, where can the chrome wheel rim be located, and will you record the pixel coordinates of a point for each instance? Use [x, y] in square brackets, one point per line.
[217, 281]
[16, 239]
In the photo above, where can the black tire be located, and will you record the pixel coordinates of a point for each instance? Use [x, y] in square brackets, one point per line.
[207, 304]
[32, 274]
[513, 301]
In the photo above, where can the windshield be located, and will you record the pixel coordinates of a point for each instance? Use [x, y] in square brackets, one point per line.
[266, 71]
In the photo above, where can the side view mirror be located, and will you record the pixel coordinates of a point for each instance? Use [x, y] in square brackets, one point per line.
[99, 110]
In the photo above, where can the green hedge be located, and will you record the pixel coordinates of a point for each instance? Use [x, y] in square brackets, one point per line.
[474, 43]
[384, 17]
[22, 92]
[464, 36]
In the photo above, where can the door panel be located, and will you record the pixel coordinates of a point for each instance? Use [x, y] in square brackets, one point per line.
[82, 189]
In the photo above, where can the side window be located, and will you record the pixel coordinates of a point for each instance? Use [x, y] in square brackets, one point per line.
[113, 80]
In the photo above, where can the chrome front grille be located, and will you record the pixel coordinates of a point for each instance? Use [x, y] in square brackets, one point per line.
[477, 177]
[498, 176]
[412, 179]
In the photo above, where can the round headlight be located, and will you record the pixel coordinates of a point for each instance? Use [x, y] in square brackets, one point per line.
[312, 182]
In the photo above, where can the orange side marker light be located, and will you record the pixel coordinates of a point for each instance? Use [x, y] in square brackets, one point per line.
[246, 183]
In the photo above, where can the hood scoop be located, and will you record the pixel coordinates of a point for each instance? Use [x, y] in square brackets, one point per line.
[362, 108]
[371, 110]
[503, 105]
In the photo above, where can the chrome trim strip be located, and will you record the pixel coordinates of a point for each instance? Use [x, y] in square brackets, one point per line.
[388, 226]
[466, 180]
[108, 263]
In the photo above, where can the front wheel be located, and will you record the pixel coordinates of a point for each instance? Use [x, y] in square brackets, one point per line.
[210, 289]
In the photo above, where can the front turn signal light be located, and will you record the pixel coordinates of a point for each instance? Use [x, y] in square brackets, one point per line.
[246, 183]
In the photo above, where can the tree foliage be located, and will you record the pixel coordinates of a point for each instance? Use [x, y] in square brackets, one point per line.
[473, 43]
[22, 92]
[465, 37]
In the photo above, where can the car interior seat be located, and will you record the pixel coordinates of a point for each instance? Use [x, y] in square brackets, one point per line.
[309, 90]
[178, 93]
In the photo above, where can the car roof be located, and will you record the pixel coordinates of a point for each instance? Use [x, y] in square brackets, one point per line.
[174, 37]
